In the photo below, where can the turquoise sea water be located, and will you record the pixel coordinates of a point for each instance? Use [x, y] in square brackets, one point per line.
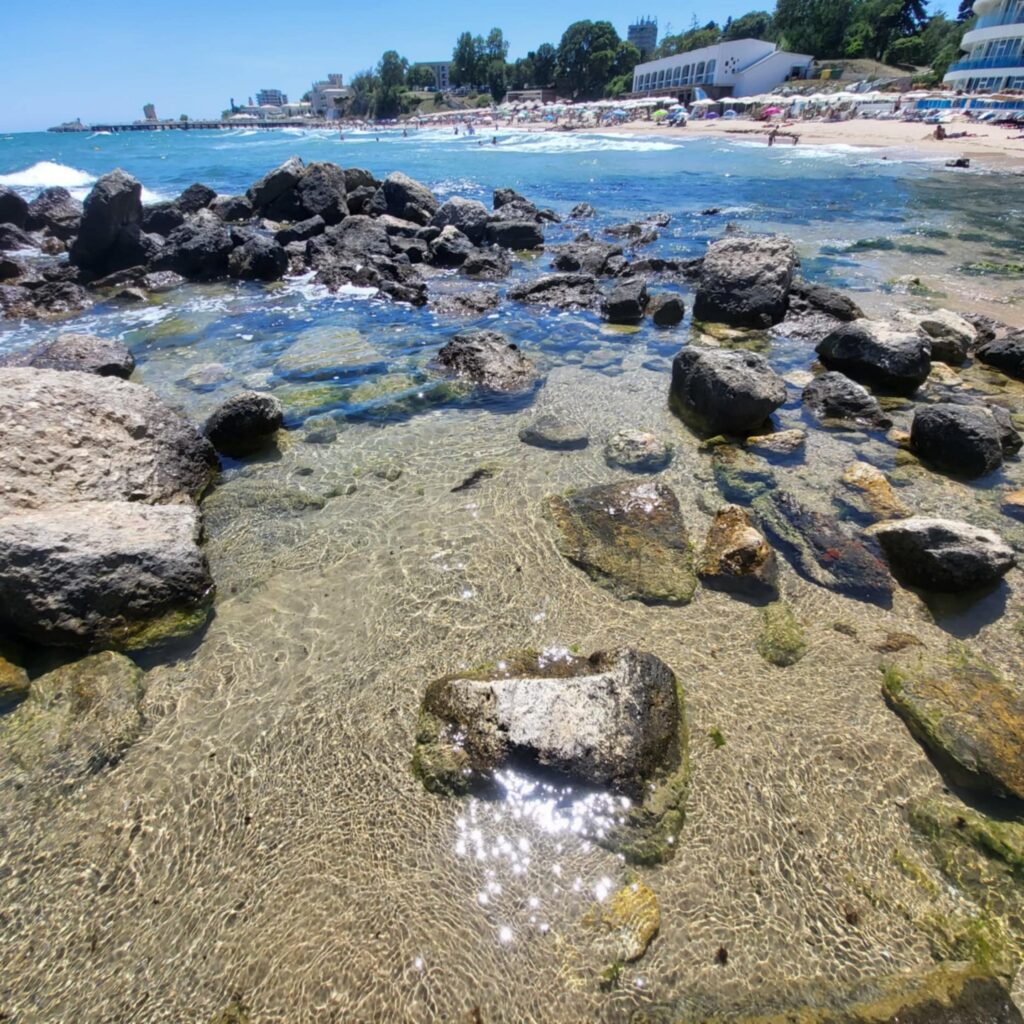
[265, 839]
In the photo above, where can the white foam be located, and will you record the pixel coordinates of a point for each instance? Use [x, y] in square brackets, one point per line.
[565, 142]
[47, 174]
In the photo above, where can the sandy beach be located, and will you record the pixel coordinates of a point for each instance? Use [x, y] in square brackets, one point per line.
[986, 145]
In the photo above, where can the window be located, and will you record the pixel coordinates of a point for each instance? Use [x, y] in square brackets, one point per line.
[700, 73]
[687, 78]
[709, 73]
[677, 75]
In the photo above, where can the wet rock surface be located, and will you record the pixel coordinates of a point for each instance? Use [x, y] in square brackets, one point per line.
[76, 721]
[638, 451]
[969, 440]
[736, 556]
[967, 714]
[487, 358]
[83, 352]
[745, 281]
[554, 432]
[878, 354]
[244, 423]
[837, 401]
[944, 554]
[562, 291]
[629, 537]
[101, 574]
[1004, 353]
[726, 392]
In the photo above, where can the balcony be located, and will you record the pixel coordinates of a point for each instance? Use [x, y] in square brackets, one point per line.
[1002, 18]
[1016, 61]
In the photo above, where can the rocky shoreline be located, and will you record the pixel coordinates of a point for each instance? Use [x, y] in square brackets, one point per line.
[102, 483]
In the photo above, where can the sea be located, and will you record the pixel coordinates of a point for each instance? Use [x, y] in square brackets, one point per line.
[265, 843]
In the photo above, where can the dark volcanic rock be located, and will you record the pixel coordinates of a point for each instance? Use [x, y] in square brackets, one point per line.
[357, 235]
[85, 352]
[199, 249]
[629, 537]
[409, 199]
[745, 281]
[489, 359]
[56, 211]
[275, 183]
[876, 353]
[837, 401]
[114, 203]
[964, 439]
[302, 231]
[12, 237]
[666, 309]
[103, 574]
[626, 303]
[258, 259]
[162, 218]
[13, 208]
[582, 211]
[232, 208]
[322, 192]
[805, 297]
[450, 248]
[244, 423]
[724, 391]
[468, 215]
[588, 257]
[1005, 354]
[195, 198]
[487, 264]
[562, 291]
[515, 234]
[943, 554]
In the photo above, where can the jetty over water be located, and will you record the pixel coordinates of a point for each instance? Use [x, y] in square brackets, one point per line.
[194, 126]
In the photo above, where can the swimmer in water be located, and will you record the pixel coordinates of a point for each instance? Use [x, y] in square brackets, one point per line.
[494, 140]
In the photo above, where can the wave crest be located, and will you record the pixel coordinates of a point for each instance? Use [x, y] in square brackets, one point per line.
[47, 174]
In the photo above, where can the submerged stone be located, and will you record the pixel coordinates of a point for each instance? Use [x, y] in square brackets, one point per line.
[637, 450]
[13, 678]
[629, 537]
[736, 556]
[781, 640]
[631, 918]
[488, 359]
[968, 715]
[77, 719]
[874, 494]
[615, 720]
[554, 432]
[325, 353]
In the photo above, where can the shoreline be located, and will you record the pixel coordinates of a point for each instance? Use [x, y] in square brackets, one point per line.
[988, 147]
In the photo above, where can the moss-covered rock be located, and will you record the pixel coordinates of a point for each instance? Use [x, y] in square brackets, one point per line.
[614, 720]
[736, 556]
[632, 919]
[629, 537]
[13, 678]
[781, 640]
[77, 719]
[967, 714]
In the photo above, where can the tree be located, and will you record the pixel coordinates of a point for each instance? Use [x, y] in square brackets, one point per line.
[495, 46]
[878, 24]
[520, 74]
[965, 11]
[817, 27]
[467, 60]
[420, 76]
[627, 56]
[544, 63]
[496, 79]
[755, 25]
[694, 39]
[585, 57]
[391, 70]
[362, 87]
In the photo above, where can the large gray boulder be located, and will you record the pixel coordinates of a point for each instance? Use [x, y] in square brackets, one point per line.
[321, 191]
[487, 358]
[114, 203]
[627, 302]
[99, 574]
[968, 440]
[258, 259]
[745, 281]
[516, 234]
[85, 352]
[199, 248]
[877, 353]
[275, 183]
[409, 199]
[952, 336]
[451, 248]
[244, 423]
[71, 436]
[612, 720]
[468, 215]
[724, 391]
[836, 401]
[943, 554]
[561, 291]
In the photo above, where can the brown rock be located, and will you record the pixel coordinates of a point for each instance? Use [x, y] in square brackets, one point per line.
[737, 557]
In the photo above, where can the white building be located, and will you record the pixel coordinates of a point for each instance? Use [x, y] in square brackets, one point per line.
[271, 98]
[441, 69]
[742, 67]
[994, 46]
[323, 96]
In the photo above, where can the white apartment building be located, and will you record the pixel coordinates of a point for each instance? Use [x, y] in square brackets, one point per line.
[994, 57]
[741, 67]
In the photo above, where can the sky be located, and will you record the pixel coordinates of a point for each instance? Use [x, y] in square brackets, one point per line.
[102, 61]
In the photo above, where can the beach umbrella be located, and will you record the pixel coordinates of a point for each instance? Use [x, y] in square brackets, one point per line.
[773, 110]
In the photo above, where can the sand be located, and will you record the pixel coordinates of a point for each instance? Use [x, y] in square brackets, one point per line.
[988, 146]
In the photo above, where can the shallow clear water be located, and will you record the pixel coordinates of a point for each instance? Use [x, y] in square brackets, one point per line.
[266, 837]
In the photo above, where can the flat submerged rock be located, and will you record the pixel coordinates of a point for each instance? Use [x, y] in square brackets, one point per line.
[629, 537]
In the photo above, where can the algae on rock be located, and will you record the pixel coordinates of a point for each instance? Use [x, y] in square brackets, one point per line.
[781, 640]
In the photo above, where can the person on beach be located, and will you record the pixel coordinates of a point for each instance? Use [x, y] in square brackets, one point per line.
[939, 133]
[772, 134]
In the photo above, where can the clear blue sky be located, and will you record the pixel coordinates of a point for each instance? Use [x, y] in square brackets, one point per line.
[102, 60]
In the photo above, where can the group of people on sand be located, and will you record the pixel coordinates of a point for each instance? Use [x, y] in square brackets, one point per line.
[776, 132]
